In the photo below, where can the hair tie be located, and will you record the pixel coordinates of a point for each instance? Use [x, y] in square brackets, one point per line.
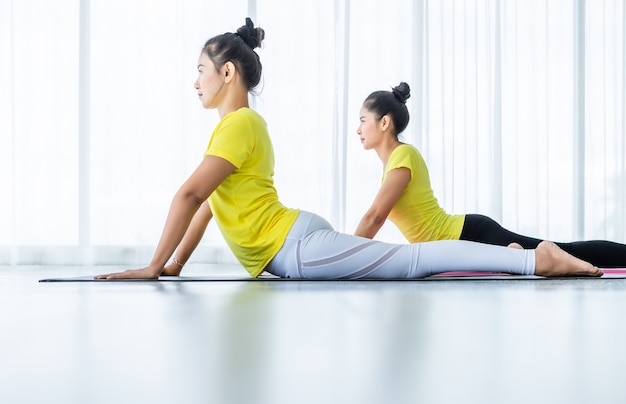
[402, 92]
[248, 34]
[399, 95]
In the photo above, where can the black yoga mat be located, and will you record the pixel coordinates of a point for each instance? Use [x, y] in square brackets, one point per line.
[448, 276]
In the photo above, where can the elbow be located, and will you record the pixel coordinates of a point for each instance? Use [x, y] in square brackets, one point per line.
[370, 224]
[378, 220]
[375, 219]
[190, 198]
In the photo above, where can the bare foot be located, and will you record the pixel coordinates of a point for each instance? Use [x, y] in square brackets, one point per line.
[515, 245]
[550, 260]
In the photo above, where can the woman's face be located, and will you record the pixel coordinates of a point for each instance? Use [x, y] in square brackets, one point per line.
[209, 83]
[369, 129]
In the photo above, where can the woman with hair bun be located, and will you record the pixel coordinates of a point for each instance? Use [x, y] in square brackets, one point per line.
[234, 184]
[407, 199]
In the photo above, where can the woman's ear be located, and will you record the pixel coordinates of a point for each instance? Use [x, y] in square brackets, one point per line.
[385, 122]
[229, 71]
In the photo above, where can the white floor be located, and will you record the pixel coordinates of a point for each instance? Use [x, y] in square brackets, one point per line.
[548, 341]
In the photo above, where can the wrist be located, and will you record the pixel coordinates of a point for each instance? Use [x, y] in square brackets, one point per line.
[173, 268]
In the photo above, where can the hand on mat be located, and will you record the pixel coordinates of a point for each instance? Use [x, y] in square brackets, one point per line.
[143, 273]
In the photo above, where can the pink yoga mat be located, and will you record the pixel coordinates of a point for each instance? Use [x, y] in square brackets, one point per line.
[607, 271]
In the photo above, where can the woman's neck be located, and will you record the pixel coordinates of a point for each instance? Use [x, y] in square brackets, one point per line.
[385, 149]
[233, 101]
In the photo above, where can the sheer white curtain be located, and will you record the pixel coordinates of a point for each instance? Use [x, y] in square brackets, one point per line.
[505, 93]
[605, 125]
[38, 123]
[517, 106]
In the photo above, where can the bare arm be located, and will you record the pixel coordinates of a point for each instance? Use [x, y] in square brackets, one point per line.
[204, 180]
[190, 240]
[389, 193]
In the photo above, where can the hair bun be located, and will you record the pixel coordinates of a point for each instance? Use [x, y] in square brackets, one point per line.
[402, 92]
[250, 35]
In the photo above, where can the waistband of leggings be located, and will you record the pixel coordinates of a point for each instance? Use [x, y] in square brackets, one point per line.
[307, 223]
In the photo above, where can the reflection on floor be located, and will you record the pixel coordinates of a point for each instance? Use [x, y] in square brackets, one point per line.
[557, 341]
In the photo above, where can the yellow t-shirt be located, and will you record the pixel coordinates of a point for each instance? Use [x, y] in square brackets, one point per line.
[417, 212]
[245, 205]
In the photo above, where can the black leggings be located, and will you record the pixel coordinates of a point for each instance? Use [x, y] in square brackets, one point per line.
[603, 254]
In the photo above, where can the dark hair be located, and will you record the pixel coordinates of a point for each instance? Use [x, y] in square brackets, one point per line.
[238, 47]
[392, 103]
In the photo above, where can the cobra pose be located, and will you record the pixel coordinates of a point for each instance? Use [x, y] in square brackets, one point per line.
[407, 199]
[234, 185]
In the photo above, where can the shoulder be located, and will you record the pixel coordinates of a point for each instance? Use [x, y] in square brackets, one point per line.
[404, 152]
[244, 123]
[245, 116]
[407, 149]
[241, 117]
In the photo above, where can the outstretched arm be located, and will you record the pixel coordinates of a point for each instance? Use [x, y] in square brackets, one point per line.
[389, 193]
[190, 241]
[196, 190]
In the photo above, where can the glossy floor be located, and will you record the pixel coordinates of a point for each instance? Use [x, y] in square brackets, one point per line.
[549, 341]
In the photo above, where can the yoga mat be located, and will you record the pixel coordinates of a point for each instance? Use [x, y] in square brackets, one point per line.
[613, 273]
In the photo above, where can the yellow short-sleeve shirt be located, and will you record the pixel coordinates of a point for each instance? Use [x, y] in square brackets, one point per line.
[245, 205]
[417, 212]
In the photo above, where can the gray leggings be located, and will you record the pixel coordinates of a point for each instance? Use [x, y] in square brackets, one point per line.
[313, 250]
